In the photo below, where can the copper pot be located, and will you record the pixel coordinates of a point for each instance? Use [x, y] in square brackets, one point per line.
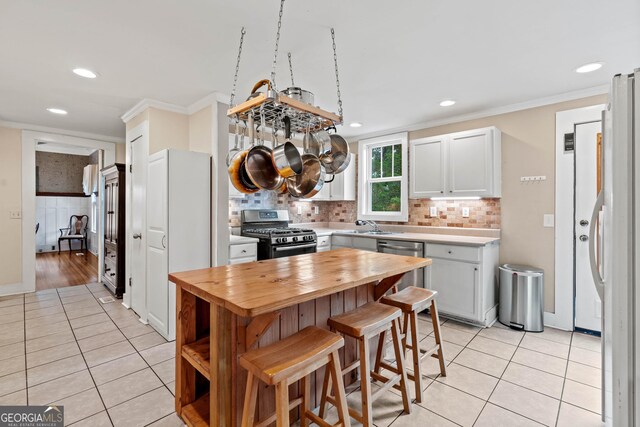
[238, 172]
[260, 166]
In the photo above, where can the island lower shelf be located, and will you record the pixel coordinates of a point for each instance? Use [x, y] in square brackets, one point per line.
[260, 331]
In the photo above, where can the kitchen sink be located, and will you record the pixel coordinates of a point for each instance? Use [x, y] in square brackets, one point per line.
[377, 233]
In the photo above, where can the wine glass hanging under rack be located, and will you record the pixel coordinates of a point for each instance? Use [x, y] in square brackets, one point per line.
[275, 106]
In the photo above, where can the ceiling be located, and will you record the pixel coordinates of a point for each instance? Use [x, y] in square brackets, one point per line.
[397, 60]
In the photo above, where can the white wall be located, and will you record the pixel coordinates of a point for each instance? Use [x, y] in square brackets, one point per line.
[52, 213]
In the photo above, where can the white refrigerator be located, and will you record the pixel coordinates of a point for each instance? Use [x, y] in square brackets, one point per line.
[615, 253]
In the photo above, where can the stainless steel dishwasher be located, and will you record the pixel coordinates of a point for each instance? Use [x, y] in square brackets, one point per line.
[401, 247]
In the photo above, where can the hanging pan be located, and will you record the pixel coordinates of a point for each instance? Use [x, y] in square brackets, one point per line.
[260, 167]
[310, 181]
[237, 168]
[286, 157]
[335, 155]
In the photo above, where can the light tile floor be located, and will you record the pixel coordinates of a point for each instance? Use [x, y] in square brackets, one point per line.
[63, 346]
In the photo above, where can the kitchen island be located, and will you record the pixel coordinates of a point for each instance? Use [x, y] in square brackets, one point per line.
[225, 311]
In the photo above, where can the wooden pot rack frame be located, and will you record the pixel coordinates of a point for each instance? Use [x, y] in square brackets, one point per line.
[274, 106]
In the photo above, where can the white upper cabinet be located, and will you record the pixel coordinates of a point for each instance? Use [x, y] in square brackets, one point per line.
[427, 177]
[461, 164]
[343, 186]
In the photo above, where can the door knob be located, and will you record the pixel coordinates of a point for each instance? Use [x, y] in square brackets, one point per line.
[584, 238]
[137, 235]
[584, 222]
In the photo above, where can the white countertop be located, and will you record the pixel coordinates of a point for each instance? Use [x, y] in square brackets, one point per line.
[239, 240]
[450, 239]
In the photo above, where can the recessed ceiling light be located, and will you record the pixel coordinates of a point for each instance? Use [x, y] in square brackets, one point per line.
[587, 68]
[57, 111]
[83, 72]
[355, 125]
[447, 103]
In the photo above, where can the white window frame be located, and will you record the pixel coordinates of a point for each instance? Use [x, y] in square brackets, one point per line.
[364, 182]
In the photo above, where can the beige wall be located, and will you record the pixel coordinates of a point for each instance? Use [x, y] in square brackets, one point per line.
[121, 153]
[10, 199]
[528, 148]
[201, 130]
[167, 130]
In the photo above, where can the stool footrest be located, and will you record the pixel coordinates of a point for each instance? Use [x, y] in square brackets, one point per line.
[316, 419]
[269, 420]
[387, 384]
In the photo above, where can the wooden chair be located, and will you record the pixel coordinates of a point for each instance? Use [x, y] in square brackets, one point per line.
[411, 301]
[364, 323]
[77, 230]
[287, 361]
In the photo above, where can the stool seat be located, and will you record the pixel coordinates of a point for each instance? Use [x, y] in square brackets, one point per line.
[410, 299]
[283, 359]
[365, 320]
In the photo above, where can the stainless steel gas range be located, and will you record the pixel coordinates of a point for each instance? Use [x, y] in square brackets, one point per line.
[277, 239]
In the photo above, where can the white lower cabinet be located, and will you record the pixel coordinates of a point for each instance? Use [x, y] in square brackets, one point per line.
[364, 243]
[466, 278]
[243, 252]
[324, 243]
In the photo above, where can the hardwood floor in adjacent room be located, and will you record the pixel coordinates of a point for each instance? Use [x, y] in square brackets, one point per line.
[55, 270]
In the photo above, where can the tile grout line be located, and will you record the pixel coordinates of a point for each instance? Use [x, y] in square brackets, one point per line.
[566, 368]
[87, 365]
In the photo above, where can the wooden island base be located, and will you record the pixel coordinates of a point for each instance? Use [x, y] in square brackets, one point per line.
[225, 311]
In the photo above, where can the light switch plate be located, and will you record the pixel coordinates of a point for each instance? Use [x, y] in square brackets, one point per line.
[316, 210]
[15, 214]
[433, 211]
[465, 212]
[299, 210]
[549, 220]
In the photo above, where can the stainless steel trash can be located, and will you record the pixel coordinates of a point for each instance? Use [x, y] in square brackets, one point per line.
[522, 297]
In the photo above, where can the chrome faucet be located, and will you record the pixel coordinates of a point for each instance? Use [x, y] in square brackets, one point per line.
[376, 228]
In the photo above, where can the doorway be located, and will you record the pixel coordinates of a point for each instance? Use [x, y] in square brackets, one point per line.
[588, 146]
[43, 219]
[66, 234]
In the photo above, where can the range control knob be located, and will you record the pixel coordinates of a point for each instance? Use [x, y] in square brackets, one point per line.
[295, 239]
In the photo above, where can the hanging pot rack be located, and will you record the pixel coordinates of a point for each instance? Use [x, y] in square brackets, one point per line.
[274, 105]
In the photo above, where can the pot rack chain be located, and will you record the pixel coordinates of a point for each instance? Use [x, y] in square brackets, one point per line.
[235, 77]
[291, 69]
[335, 62]
[275, 53]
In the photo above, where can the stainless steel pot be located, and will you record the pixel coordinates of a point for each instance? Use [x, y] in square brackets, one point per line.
[286, 157]
[310, 181]
[260, 166]
[335, 155]
[298, 94]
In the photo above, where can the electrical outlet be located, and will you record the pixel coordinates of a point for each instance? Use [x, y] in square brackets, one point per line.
[433, 211]
[15, 214]
[548, 220]
[465, 212]
[316, 210]
[299, 209]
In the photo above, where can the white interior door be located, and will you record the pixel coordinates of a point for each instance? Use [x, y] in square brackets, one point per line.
[157, 254]
[138, 219]
[587, 302]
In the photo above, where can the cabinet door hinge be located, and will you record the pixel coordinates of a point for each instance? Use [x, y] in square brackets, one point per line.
[130, 282]
[131, 168]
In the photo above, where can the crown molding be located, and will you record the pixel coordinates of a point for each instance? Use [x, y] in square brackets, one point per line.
[57, 131]
[174, 108]
[540, 102]
[152, 103]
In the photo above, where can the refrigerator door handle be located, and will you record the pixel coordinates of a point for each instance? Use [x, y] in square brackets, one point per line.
[595, 272]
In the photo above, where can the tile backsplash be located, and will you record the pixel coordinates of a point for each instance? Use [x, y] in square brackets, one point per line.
[483, 213]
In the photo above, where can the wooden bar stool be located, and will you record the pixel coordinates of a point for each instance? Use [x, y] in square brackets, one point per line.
[411, 301]
[364, 323]
[287, 361]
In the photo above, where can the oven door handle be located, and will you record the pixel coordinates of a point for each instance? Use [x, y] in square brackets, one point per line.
[293, 247]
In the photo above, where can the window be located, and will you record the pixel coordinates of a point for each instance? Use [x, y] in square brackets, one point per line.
[382, 186]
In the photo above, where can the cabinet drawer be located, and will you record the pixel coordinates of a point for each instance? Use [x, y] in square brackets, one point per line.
[342, 241]
[462, 253]
[245, 250]
[324, 242]
[110, 270]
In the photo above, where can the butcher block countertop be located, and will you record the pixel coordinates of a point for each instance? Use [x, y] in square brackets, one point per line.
[256, 288]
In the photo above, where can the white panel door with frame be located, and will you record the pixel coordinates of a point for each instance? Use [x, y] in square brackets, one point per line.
[587, 302]
[156, 241]
[138, 209]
